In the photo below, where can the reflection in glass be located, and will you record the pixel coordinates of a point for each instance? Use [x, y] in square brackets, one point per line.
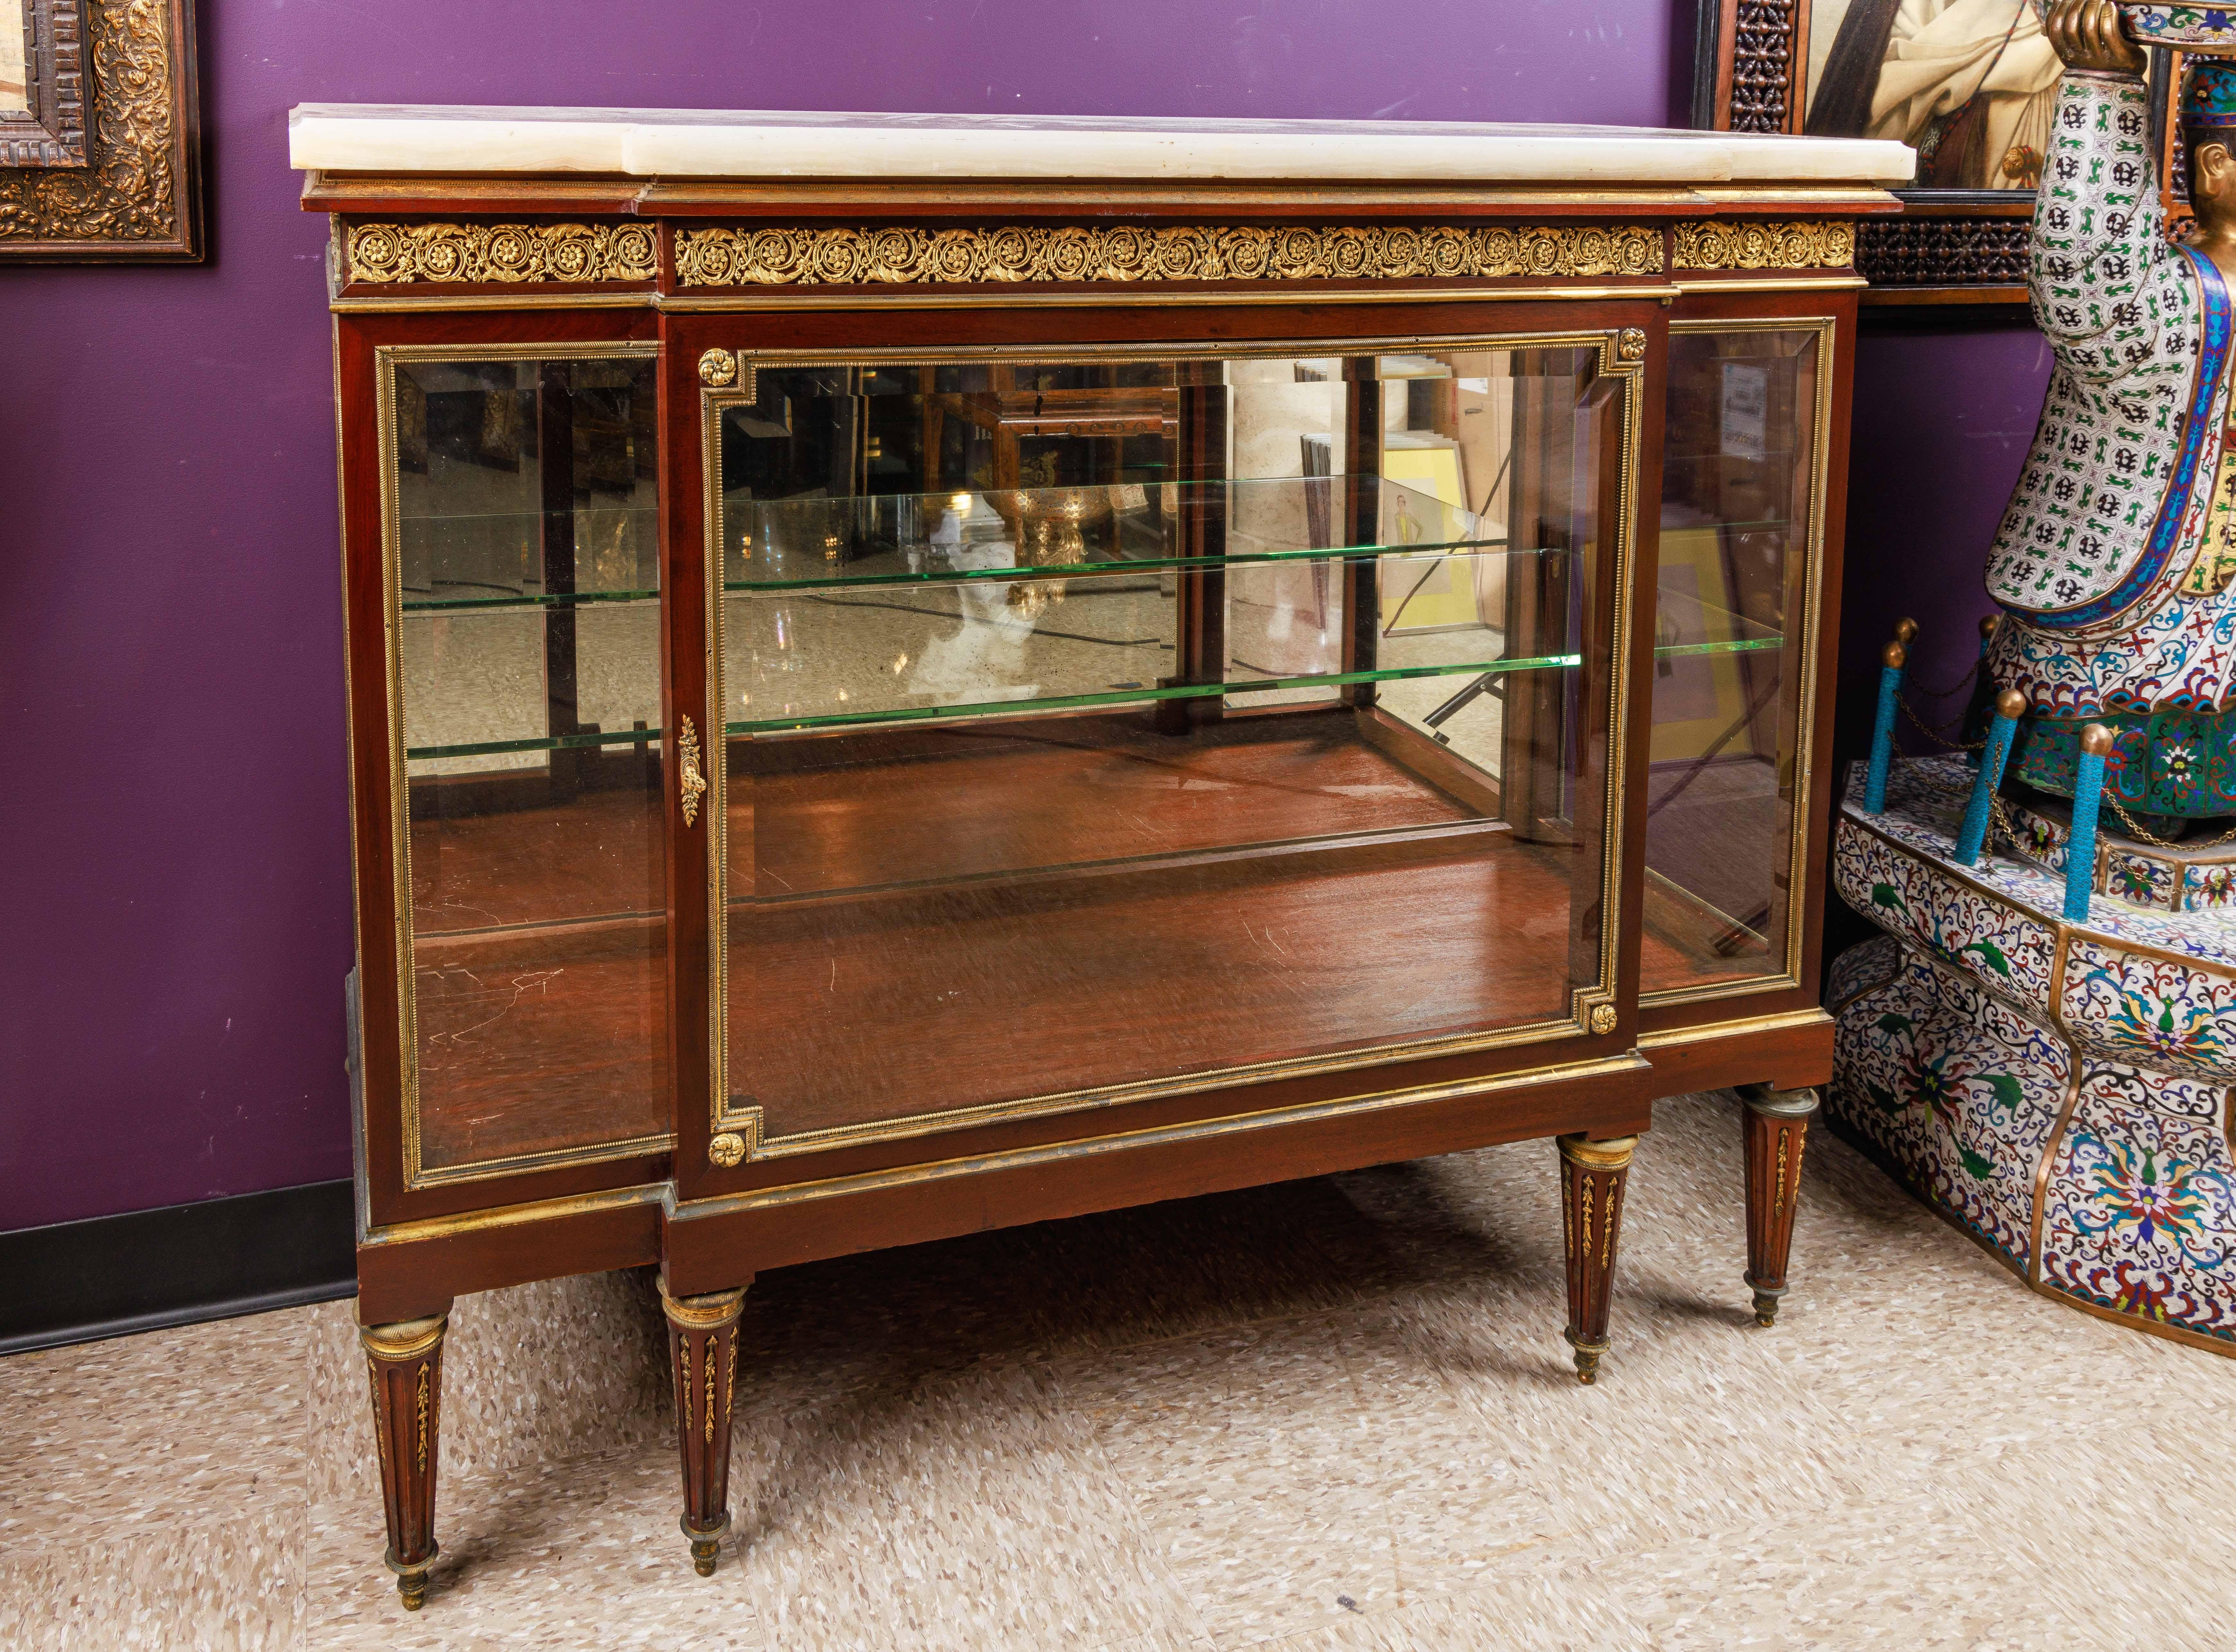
[528, 567]
[1737, 509]
[1094, 724]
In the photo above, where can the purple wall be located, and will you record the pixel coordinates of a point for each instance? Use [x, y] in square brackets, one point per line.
[1943, 418]
[178, 906]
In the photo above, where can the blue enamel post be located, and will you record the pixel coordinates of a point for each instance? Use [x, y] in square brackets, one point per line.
[1891, 658]
[2011, 705]
[1987, 640]
[2080, 849]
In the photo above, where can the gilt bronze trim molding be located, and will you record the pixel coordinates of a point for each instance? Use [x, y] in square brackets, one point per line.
[400, 253]
[780, 255]
[1717, 244]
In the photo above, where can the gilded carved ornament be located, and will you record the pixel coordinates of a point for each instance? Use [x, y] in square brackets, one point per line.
[501, 253]
[1714, 245]
[129, 193]
[781, 256]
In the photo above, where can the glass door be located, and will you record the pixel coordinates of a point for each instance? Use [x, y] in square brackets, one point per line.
[1734, 655]
[521, 540]
[1093, 727]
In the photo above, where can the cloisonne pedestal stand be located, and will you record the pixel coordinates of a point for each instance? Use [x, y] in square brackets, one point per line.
[2039, 1046]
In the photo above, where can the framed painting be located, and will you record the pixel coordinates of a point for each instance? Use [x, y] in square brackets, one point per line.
[1968, 85]
[99, 150]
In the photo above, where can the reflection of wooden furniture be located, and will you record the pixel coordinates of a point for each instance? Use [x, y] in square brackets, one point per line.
[819, 957]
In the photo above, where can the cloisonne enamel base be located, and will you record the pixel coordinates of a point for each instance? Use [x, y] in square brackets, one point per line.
[2060, 1092]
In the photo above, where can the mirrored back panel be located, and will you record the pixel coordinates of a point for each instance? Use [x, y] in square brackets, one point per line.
[1094, 726]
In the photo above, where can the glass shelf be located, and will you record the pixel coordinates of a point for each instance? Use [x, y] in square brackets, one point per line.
[413, 603]
[810, 544]
[1116, 697]
[544, 743]
[1013, 708]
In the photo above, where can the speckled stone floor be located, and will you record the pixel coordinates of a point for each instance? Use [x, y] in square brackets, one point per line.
[1333, 1416]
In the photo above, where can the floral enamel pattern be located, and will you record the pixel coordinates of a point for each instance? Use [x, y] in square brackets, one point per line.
[2173, 1016]
[2179, 879]
[1935, 907]
[2213, 28]
[1957, 1091]
[2112, 505]
[1925, 799]
[1863, 966]
[1956, 1072]
[2138, 1212]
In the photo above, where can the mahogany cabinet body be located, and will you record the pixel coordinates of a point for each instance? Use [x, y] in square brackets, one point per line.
[703, 924]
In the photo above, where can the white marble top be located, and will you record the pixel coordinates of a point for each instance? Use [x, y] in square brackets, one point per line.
[748, 143]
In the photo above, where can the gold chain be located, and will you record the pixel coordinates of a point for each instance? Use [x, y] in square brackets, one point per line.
[1918, 723]
[1961, 684]
[1999, 821]
[2002, 821]
[2147, 837]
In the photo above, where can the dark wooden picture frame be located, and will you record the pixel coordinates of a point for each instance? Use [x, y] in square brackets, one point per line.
[1948, 246]
[105, 165]
[51, 132]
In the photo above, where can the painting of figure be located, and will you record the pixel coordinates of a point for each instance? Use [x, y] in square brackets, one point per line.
[15, 88]
[1967, 83]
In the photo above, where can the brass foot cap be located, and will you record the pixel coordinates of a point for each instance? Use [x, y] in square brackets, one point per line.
[412, 1576]
[706, 1541]
[1766, 1307]
[1588, 1365]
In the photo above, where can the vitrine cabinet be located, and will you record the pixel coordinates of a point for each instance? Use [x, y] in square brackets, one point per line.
[913, 674]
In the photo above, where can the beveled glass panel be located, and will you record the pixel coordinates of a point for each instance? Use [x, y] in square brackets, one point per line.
[1081, 733]
[1737, 538]
[528, 571]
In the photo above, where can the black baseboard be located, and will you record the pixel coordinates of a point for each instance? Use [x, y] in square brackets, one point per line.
[79, 1282]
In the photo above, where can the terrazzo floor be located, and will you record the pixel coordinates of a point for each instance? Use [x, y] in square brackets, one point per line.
[1332, 1416]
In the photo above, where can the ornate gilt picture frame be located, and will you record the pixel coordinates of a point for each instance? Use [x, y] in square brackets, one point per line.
[100, 139]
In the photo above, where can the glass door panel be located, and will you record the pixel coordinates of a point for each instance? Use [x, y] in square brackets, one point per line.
[1091, 725]
[1738, 537]
[524, 530]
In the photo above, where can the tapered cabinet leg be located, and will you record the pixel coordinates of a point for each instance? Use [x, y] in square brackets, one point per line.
[702, 1340]
[406, 1360]
[1777, 1126]
[1592, 1176]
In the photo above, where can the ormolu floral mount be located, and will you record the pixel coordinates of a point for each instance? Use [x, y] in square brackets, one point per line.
[2043, 1046]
